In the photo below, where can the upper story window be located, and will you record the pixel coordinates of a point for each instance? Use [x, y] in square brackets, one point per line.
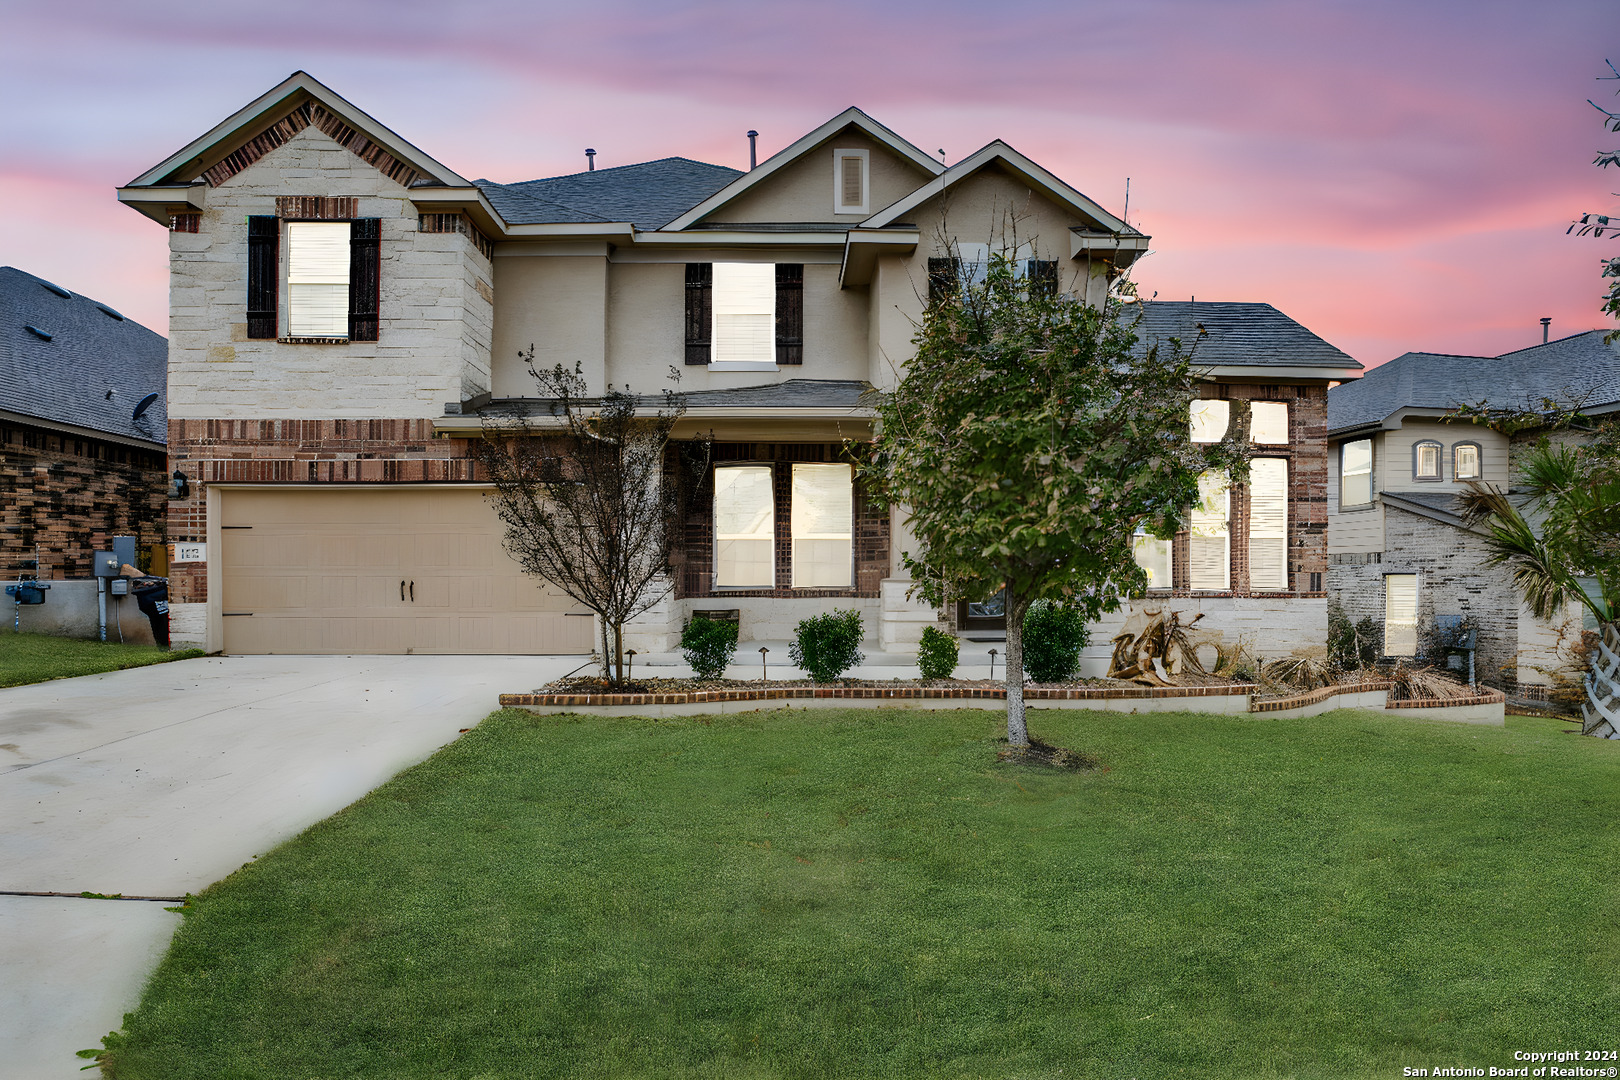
[969, 265]
[314, 280]
[1426, 461]
[744, 316]
[1465, 461]
[851, 182]
[1355, 474]
[1268, 422]
[1210, 418]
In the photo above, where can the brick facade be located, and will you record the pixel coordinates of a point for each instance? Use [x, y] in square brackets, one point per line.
[692, 556]
[295, 452]
[69, 495]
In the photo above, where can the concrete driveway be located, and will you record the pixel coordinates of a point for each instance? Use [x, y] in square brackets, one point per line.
[162, 780]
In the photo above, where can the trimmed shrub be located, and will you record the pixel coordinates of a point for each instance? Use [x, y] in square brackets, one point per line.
[707, 645]
[1053, 637]
[828, 645]
[937, 653]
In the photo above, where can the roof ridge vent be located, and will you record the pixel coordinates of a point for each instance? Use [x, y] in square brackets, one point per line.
[37, 332]
[105, 310]
[57, 289]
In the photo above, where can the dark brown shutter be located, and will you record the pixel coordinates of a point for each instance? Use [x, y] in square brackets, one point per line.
[790, 313]
[1043, 277]
[263, 275]
[699, 311]
[943, 278]
[365, 264]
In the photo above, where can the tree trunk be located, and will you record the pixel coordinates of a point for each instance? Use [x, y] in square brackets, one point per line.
[1017, 728]
[618, 654]
[1601, 712]
[607, 657]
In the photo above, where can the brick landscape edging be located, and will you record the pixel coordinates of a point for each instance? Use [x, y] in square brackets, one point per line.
[1486, 697]
[849, 693]
[1313, 697]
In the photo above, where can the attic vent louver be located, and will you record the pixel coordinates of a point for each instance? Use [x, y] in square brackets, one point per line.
[105, 310]
[37, 332]
[57, 289]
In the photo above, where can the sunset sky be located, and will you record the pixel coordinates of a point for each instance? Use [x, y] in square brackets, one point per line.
[1395, 175]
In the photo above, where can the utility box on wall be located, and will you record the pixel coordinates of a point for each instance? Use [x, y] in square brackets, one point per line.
[106, 563]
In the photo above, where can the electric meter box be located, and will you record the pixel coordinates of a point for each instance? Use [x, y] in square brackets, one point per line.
[106, 563]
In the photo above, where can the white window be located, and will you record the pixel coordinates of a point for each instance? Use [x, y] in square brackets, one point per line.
[1355, 473]
[1153, 556]
[851, 173]
[1400, 614]
[1268, 422]
[1268, 525]
[744, 314]
[744, 527]
[1209, 546]
[823, 524]
[1426, 461]
[1465, 461]
[317, 279]
[1210, 419]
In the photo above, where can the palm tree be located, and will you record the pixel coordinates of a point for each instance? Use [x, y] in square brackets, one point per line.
[1559, 526]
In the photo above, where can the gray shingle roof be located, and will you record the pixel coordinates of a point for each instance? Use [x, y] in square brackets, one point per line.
[792, 394]
[1238, 335]
[66, 380]
[647, 195]
[1576, 369]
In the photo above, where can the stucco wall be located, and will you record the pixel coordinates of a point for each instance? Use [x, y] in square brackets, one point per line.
[803, 190]
[436, 310]
[558, 304]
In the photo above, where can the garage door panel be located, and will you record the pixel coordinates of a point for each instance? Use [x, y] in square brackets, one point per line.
[321, 571]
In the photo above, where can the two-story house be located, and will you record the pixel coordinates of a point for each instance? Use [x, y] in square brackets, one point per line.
[343, 307]
[1400, 552]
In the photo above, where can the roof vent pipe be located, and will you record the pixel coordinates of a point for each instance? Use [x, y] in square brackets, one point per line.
[590, 160]
[1544, 324]
[753, 158]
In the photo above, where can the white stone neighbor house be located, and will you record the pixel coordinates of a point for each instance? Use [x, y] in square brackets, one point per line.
[343, 305]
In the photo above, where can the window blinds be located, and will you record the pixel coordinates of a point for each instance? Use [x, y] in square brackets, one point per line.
[744, 312]
[1355, 474]
[1400, 614]
[317, 279]
[1209, 420]
[823, 524]
[744, 527]
[1268, 422]
[1209, 545]
[1268, 524]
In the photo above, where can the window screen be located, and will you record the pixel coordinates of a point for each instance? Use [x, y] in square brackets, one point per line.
[317, 279]
[1355, 473]
[1268, 422]
[1209, 420]
[744, 301]
[1210, 543]
[1153, 556]
[744, 527]
[1268, 524]
[823, 527]
[1400, 614]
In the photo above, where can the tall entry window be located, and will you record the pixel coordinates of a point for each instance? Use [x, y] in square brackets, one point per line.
[1210, 545]
[823, 524]
[1400, 614]
[1268, 524]
[744, 527]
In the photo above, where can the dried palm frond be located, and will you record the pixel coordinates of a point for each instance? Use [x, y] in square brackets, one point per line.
[1424, 684]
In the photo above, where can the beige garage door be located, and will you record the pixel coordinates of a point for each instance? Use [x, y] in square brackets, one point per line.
[354, 570]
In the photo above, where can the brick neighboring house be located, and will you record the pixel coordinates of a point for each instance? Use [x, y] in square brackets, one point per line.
[1400, 552]
[79, 468]
[343, 306]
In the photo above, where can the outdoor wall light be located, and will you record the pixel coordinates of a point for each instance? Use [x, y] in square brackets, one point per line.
[179, 488]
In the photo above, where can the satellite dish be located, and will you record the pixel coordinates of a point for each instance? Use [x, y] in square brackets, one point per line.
[146, 403]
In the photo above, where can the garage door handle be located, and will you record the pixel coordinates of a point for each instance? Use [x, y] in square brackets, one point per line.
[413, 592]
[402, 591]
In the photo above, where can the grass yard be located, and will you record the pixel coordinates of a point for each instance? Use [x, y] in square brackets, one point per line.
[32, 658]
[866, 894]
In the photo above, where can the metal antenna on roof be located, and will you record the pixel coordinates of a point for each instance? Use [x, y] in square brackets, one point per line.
[941, 153]
[590, 160]
[1544, 324]
[753, 156]
[1126, 217]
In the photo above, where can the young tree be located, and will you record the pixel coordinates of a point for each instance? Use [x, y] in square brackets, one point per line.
[1598, 224]
[582, 491]
[1028, 438]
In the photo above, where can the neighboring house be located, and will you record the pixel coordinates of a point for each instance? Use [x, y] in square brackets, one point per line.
[80, 467]
[344, 307]
[1400, 551]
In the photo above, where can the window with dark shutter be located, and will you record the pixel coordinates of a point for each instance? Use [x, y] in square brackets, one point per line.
[365, 263]
[790, 313]
[944, 278]
[1043, 277]
[264, 272]
[699, 311]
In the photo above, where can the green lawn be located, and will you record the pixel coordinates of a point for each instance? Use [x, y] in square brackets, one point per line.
[32, 658]
[866, 894]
